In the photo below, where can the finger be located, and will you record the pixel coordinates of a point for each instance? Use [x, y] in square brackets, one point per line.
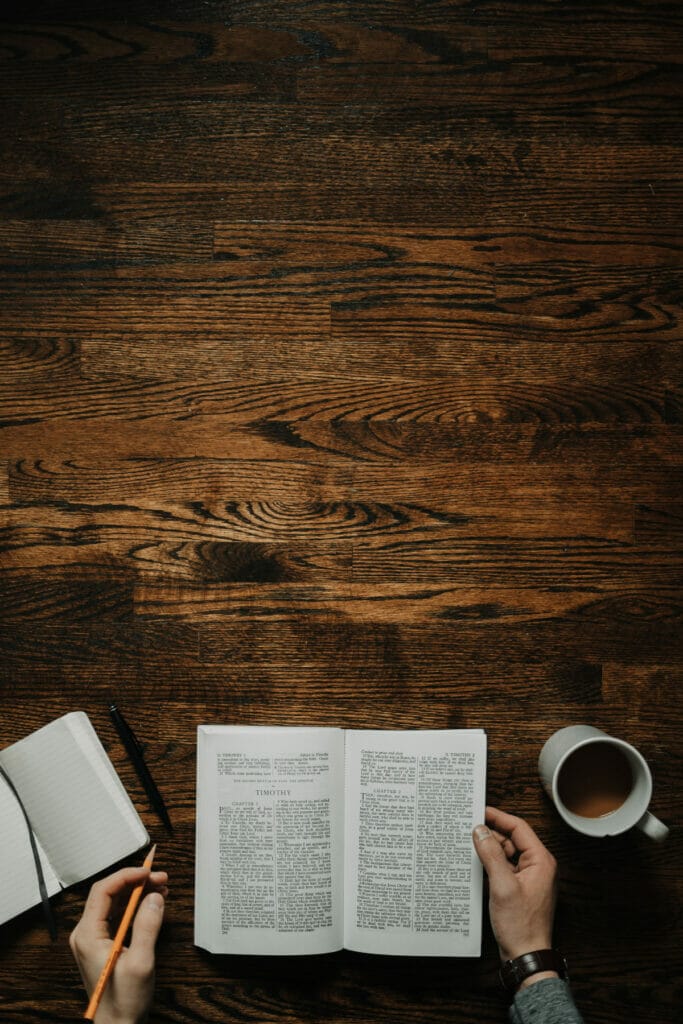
[155, 883]
[490, 853]
[145, 932]
[506, 843]
[94, 924]
[511, 851]
[519, 832]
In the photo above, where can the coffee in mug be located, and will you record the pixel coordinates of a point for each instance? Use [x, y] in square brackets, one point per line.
[594, 780]
[600, 785]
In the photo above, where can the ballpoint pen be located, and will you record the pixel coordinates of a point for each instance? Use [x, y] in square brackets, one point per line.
[134, 750]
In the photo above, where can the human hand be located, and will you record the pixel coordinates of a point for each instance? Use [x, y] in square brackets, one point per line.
[522, 885]
[130, 989]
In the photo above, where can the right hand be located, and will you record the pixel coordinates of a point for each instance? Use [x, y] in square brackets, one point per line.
[130, 989]
[522, 878]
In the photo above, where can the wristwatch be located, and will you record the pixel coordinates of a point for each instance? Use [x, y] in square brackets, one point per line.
[513, 972]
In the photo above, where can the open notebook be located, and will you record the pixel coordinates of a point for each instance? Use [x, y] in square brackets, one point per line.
[82, 817]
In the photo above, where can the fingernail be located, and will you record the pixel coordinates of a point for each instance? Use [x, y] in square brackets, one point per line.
[155, 900]
[481, 832]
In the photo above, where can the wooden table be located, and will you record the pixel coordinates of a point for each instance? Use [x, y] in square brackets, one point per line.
[341, 382]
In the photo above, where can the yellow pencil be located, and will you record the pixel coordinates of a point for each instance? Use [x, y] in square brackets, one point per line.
[117, 945]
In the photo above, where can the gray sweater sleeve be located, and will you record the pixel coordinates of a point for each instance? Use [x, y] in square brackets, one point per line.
[547, 1002]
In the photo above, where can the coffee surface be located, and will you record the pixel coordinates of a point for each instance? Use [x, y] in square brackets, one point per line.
[595, 780]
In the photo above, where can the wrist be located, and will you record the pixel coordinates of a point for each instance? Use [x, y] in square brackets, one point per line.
[541, 976]
[510, 951]
[109, 1017]
[530, 967]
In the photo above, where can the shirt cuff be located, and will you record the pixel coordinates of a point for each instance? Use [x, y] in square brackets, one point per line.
[549, 1001]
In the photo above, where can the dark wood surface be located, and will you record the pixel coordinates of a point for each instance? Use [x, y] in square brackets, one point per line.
[342, 383]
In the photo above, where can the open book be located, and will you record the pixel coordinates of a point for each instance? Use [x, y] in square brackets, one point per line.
[82, 817]
[311, 840]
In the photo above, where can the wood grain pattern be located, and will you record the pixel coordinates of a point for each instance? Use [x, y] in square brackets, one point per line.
[341, 383]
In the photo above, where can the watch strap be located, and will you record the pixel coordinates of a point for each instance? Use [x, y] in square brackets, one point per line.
[514, 972]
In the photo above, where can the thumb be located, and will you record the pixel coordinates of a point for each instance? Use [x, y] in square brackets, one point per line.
[490, 853]
[146, 927]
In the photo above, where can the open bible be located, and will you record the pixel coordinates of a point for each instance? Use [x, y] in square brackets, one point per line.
[313, 840]
[81, 816]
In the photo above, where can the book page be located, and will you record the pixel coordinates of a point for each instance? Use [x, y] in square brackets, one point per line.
[80, 812]
[270, 819]
[413, 882]
[18, 878]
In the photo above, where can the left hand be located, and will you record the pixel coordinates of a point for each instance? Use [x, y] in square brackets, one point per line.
[522, 877]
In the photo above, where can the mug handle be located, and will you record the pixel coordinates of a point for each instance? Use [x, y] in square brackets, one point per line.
[653, 827]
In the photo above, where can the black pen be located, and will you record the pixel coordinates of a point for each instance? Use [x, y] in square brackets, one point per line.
[134, 750]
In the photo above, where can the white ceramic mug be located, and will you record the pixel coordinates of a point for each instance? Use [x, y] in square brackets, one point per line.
[633, 811]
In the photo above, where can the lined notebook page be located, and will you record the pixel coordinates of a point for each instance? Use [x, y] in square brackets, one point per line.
[80, 811]
[18, 877]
